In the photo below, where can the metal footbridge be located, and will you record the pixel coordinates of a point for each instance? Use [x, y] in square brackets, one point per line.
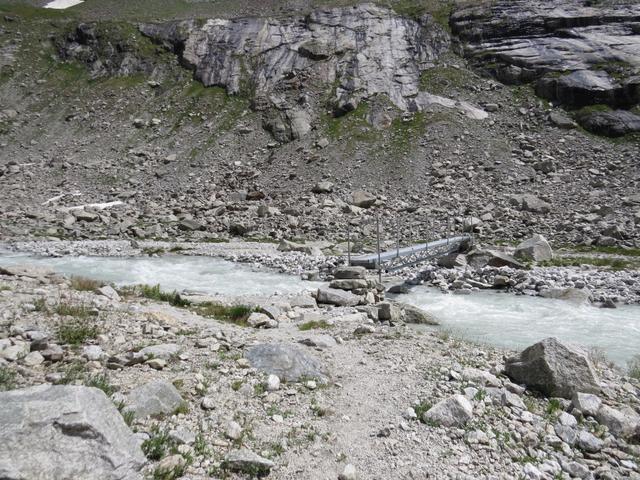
[407, 256]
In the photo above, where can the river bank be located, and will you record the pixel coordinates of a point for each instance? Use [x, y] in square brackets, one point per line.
[349, 400]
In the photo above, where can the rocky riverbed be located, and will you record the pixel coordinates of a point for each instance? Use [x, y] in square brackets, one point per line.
[134, 386]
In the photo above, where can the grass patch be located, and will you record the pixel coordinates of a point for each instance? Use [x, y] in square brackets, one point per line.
[626, 252]
[422, 408]
[553, 407]
[77, 332]
[159, 444]
[154, 293]
[70, 310]
[442, 80]
[237, 314]
[84, 284]
[313, 325]
[102, 382]
[7, 379]
[615, 264]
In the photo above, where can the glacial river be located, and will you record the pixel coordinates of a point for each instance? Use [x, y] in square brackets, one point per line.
[489, 317]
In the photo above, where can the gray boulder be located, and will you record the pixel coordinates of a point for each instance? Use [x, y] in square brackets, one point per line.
[578, 296]
[535, 249]
[454, 411]
[288, 362]
[587, 403]
[245, 461]
[362, 199]
[553, 368]
[153, 398]
[350, 273]
[56, 432]
[341, 298]
[164, 351]
[415, 315]
[621, 423]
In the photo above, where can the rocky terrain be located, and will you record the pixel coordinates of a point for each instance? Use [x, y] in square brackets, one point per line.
[278, 134]
[127, 386]
[158, 130]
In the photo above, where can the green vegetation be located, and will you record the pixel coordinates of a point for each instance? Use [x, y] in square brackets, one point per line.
[605, 262]
[71, 310]
[83, 284]
[634, 367]
[237, 314]
[181, 409]
[154, 293]
[159, 444]
[352, 125]
[553, 407]
[313, 325]
[422, 408]
[7, 379]
[102, 382]
[443, 80]
[77, 332]
[627, 252]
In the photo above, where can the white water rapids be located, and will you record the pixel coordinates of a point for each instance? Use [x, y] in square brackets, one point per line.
[498, 319]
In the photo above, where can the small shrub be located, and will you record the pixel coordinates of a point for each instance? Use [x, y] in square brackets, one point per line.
[7, 379]
[78, 332]
[73, 372]
[313, 325]
[84, 284]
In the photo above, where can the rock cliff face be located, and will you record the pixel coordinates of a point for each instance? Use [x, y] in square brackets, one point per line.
[577, 55]
[362, 51]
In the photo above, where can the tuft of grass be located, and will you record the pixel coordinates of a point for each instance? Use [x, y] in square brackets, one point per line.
[235, 385]
[84, 284]
[237, 314]
[70, 310]
[154, 293]
[40, 305]
[422, 408]
[102, 382]
[7, 379]
[77, 332]
[627, 252]
[313, 325]
[634, 367]
[183, 409]
[553, 407]
[159, 444]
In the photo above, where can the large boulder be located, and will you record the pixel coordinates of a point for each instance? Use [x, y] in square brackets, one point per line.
[362, 199]
[153, 398]
[553, 368]
[577, 296]
[454, 411]
[56, 432]
[288, 362]
[621, 423]
[350, 273]
[415, 315]
[341, 298]
[245, 461]
[535, 249]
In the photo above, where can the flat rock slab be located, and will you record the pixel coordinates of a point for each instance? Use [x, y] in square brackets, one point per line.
[340, 298]
[29, 271]
[153, 398]
[288, 362]
[51, 432]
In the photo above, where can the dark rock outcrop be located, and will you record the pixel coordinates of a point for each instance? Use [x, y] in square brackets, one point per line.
[577, 54]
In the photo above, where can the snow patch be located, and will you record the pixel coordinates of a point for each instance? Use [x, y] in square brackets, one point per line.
[63, 4]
